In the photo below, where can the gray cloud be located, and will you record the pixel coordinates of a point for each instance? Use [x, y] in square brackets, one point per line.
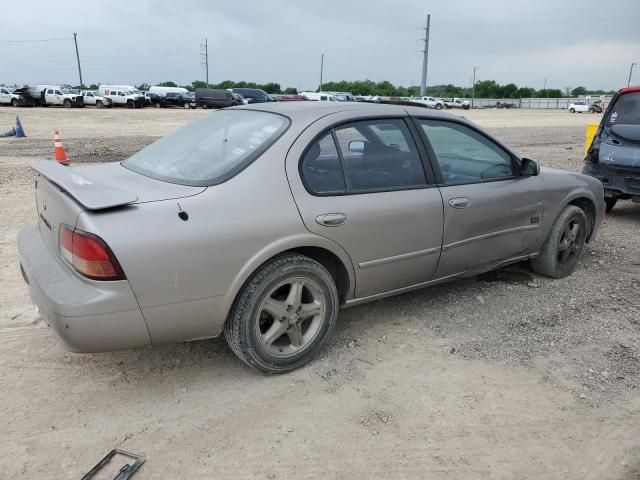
[571, 43]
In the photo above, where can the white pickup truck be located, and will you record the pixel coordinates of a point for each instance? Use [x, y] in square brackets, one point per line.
[56, 95]
[92, 98]
[457, 103]
[7, 97]
[121, 97]
[432, 102]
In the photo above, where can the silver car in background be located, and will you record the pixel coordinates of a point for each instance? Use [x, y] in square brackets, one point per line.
[260, 221]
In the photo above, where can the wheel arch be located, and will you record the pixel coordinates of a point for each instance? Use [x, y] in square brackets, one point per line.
[326, 252]
[588, 206]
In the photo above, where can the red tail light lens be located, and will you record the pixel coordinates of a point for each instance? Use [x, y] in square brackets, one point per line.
[89, 255]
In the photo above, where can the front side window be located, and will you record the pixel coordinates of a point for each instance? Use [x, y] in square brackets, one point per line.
[465, 156]
[371, 155]
[210, 150]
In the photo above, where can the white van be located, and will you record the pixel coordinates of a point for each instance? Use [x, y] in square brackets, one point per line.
[162, 91]
[319, 97]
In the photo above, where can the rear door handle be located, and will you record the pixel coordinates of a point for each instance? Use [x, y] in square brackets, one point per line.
[331, 219]
[460, 202]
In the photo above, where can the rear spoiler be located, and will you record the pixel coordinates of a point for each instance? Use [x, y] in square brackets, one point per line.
[88, 193]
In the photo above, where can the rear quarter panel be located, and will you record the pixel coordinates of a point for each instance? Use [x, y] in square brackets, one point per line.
[186, 274]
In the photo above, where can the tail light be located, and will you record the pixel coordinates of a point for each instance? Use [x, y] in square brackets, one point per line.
[89, 255]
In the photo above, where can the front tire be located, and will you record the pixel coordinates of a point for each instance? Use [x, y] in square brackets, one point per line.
[14, 102]
[130, 104]
[99, 104]
[564, 245]
[283, 315]
[438, 106]
[572, 110]
[66, 103]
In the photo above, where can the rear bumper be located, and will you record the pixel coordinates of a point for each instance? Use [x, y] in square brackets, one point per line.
[616, 181]
[85, 315]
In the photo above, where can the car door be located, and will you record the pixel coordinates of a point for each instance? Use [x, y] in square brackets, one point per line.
[492, 213]
[363, 185]
[4, 96]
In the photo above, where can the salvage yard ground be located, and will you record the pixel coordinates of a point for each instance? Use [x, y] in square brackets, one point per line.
[508, 375]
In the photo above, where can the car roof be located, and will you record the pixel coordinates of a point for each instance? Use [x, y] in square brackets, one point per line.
[310, 111]
[628, 90]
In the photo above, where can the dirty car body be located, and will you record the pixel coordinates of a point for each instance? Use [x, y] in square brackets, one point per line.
[296, 207]
[614, 154]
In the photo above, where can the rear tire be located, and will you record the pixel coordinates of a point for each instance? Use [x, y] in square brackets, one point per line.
[283, 315]
[564, 245]
[610, 202]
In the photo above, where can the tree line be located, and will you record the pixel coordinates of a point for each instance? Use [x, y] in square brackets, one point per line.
[483, 89]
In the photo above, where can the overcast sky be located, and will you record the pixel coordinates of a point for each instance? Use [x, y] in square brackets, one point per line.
[570, 42]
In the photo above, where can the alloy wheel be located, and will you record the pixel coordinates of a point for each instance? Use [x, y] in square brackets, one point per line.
[290, 316]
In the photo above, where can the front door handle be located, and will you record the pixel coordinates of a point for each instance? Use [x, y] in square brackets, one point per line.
[460, 202]
[331, 219]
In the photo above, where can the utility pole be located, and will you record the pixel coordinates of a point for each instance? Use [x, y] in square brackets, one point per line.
[204, 53]
[321, 70]
[630, 73]
[425, 58]
[75, 39]
[473, 86]
[545, 84]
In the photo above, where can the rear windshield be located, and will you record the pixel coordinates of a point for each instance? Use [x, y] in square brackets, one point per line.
[210, 150]
[626, 110]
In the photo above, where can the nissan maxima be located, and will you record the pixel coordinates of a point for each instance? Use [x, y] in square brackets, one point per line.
[262, 221]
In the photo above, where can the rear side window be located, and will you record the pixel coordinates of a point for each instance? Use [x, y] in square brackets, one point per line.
[626, 110]
[210, 150]
[370, 156]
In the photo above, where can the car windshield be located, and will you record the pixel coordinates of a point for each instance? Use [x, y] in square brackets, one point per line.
[210, 150]
[626, 110]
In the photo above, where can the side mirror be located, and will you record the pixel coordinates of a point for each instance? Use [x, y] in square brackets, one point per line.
[356, 146]
[529, 168]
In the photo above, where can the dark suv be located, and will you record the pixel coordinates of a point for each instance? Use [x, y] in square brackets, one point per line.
[216, 98]
[254, 95]
[179, 100]
[614, 154]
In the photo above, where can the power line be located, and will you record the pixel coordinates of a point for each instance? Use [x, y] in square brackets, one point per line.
[35, 41]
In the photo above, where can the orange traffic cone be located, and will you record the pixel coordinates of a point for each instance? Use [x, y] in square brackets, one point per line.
[58, 151]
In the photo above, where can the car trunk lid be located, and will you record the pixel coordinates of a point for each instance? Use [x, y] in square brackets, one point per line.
[63, 192]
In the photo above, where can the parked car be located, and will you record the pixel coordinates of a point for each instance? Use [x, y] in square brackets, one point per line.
[253, 95]
[162, 91]
[92, 98]
[7, 97]
[319, 97]
[578, 107]
[613, 156]
[431, 102]
[47, 95]
[177, 242]
[121, 97]
[216, 98]
[153, 99]
[179, 100]
[456, 103]
[506, 105]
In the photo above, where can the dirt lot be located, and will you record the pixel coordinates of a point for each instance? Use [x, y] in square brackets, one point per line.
[505, 376]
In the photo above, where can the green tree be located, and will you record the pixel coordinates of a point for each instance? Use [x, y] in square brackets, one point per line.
[168, 84]
[143, 87]
[291, 91]
[93, 86]
[576, 92]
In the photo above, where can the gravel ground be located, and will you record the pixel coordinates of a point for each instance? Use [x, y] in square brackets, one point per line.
[507, 375]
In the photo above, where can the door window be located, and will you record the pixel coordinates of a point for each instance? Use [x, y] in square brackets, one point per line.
[58, 92]
[465, 156]
[321, 167]
[49, 92]
[373, 155]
